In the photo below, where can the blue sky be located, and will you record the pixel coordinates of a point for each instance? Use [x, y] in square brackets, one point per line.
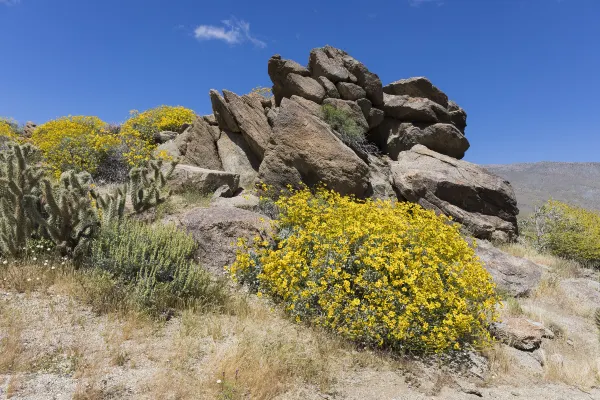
[526, 71]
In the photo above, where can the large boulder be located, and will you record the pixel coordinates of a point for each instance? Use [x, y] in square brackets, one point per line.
[515, 276]
[458, 116]
[196, 146]
[303, 148]
[350, 91]
[332, 68]
[217, 230]
[484, 203]
[366, 79]
[379, 176]
[237, 157]
[414, 109]
[330, 89]
[394, 136]
[191, 178]
[299, 85]
[417, 87]
[221, 112]
[250, 116]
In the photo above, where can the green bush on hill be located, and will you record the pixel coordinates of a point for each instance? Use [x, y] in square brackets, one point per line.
[566, 231]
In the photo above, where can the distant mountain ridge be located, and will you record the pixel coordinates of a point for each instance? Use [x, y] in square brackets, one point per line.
[534, 183]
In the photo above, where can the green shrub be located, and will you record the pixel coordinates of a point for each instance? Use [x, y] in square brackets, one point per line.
[566, 231]
[155, 263]
[347, 129]
[382, 273]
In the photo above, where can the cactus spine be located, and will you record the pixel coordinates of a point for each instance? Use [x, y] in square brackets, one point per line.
[19, 192]
[111, 205]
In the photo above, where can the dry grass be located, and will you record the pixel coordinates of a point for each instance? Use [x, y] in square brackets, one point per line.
[11, 345]
[559, 266]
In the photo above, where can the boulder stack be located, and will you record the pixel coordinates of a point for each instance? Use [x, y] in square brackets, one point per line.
[419, 134]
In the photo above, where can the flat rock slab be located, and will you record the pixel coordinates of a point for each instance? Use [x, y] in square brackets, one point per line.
[520, 333]
[188, 177]
[513, 275]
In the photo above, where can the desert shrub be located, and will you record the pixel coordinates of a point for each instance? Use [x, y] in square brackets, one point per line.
[9, 128]
[382, 273]
[156, 264]
[347, 129]
[566, 231]
[263, 91]
[139, 130]
[77, 143]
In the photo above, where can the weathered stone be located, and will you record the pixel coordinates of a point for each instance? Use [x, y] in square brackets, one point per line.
[350, 91]
[191, 178]
[330, 89]
[197, 147]
[217, 230]
[237, 157]
[352, 109]
[164, 136]
[376, 117]
[320, 64]
[414, 109]
[210, 119]
[520, 333]
[458, 116]
[222, 192]
[365, 105]
[304, 149]
[393, 136]
[379, 176]
[279, 68]
[303, 86]
[365, 79]
[243, 200]
[29, 128]
[310, 106]
[221, 112]
[272, 115]
[515, 276]
[417, 87]
[484, 203]
[251, 119]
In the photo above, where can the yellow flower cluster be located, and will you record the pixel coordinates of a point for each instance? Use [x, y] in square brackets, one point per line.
[74, 142]
[138, 131]
[382, 273]
[7, 128]
[574, 232]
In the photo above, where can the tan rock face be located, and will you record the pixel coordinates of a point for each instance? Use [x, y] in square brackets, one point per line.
[201, 180]
[481, 201]
[304, 149]
[197, 146]
[237, 157]
[519, 333]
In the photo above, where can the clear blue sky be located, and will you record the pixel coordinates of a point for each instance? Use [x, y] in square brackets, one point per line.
[526, 71]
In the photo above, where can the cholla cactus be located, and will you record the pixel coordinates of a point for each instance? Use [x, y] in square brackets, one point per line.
[19, 190]
[147, 185]
[72, 220]
[111, 205]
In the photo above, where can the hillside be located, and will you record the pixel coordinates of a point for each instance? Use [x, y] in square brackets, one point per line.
[534, 183]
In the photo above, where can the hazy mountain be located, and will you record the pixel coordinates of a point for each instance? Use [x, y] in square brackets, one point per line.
[534, 183]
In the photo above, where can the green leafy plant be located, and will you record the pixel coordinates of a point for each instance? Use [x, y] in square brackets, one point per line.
[155, 263]
[564, 230]
[347, 129]
[19, 189]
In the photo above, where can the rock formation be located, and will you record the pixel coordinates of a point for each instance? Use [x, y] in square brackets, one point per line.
[418, 132]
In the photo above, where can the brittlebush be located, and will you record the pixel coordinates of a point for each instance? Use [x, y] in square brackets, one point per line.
[138, 131]
[573, 232]
[79, 143]
[382, 273]
[7, 128]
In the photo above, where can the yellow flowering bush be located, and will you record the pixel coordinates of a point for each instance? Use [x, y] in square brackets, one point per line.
[566, 231]
[74, 142]
[8, 128]
[382, 273]
[139, 130]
